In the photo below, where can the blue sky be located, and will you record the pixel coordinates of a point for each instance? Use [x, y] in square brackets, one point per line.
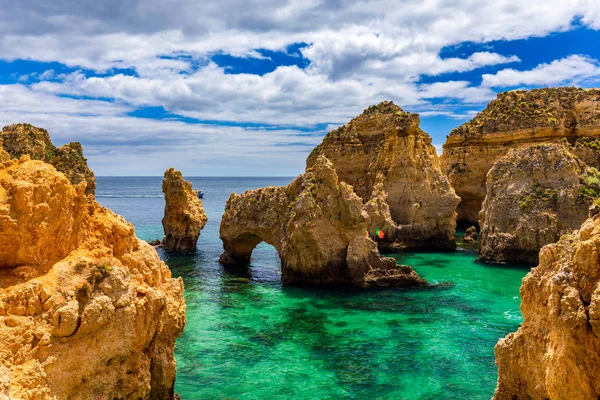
[234, 88]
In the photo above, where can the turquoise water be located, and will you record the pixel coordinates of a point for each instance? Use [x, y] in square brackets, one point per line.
[247, 337]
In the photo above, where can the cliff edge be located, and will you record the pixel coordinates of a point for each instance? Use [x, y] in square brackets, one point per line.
[86, 309]
[518, 119]
[21, 139]
[555, 354]
[392, 166]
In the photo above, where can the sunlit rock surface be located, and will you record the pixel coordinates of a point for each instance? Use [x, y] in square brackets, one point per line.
[393, 167]
[319, 228]
[21, 139]
[184, 214]
[87, 311]
[555, 354]
[534, 196]
[519, 119]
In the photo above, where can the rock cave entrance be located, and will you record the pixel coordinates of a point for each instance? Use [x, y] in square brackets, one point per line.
[240, 249]
[261, 258]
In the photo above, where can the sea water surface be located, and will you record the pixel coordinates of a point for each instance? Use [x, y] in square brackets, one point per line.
[249, 337]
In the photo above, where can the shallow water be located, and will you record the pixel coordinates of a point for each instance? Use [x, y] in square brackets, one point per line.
[247, 337]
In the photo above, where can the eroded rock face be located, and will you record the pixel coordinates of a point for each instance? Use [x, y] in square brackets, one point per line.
[555, 354]
[470, 235]
[392, 166]
[21, 139]
[184, 215]
[86, 309]
[517, 119]
[318, 226]
[534, 196]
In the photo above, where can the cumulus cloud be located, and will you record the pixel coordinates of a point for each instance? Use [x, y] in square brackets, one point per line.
[117, 144]
[574, 69]
[359, 52]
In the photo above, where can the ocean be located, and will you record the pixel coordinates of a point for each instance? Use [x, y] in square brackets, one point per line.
[249, 337]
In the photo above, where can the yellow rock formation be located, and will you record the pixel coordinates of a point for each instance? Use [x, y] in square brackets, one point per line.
[87, 311]
[555, 354]
[392, 166]
[184, 215]
[517, 119]
[318, 226]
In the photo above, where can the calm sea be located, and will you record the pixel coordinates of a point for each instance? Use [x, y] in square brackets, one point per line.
[248, 337]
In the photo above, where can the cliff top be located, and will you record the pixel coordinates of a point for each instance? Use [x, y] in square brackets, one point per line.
[376, 120]
[555, 108]
[25, 139]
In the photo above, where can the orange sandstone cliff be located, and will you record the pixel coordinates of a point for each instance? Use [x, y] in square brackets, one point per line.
[555, 354]
[534, 196]
[393, 167]
[21, 139]
[87, 311]
[184, 214]
[518, 119]
[319, 228]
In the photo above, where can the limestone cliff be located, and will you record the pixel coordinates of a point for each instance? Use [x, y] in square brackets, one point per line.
[391, 164]
[21, 139]
[516, 119]
[555, 354]
[4, 156]
[184, 215]
[87, 311]
[534, 196]
[319, 228]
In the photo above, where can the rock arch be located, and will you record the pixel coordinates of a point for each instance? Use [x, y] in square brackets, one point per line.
[319, 228]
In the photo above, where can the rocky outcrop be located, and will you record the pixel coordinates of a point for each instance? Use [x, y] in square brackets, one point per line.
[21, 139]
[470, 235]
[87, 311]
[4, 156]
[534, 196]
[393, 167]
[555, 354]
[319, 228]
[518, 119]
[184, 215]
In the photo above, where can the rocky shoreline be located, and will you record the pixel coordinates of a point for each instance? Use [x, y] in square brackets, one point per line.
[523, 170]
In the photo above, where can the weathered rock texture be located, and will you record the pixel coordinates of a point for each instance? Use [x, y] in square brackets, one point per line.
[318, 226]
[87, 311]
[391, 164]
[21, 139]
[517, 119]
[555, 354]
[184, 215]
[534, 196]
[470, 235]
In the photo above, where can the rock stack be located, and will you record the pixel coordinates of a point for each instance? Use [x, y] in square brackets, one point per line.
[184, 215]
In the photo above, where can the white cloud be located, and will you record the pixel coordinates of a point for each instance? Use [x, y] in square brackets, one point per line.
[360, 52]
[117, 144]
[574, 69]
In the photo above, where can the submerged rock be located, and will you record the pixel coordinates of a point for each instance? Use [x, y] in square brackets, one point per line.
[555, 353]
[517, 119]
[393, 167]
[21, 139]
[534, 196]
[470, 235]
[184, 215]
[87, 310]
[319, 228]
